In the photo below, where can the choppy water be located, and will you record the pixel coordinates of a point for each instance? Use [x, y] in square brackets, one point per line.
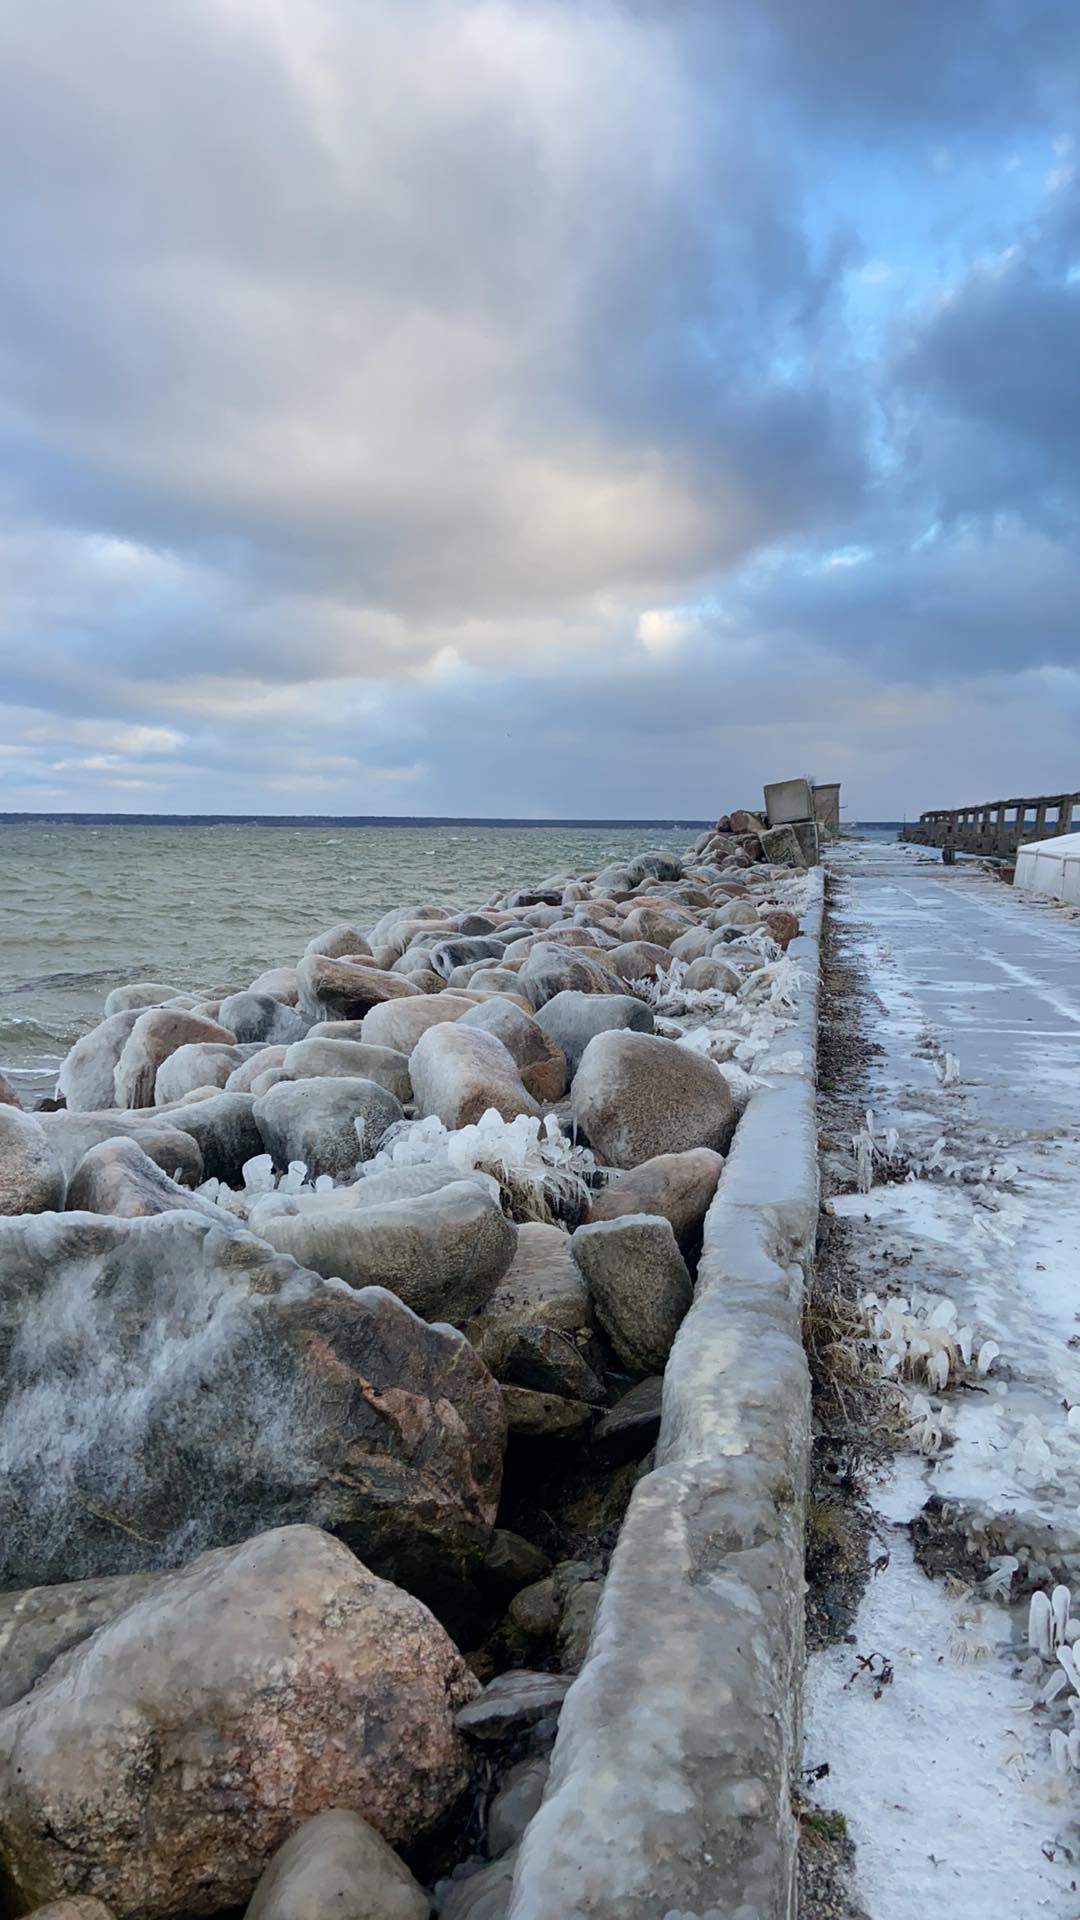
[83, 909]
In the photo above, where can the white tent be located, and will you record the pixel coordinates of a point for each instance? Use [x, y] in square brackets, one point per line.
[1051, 867]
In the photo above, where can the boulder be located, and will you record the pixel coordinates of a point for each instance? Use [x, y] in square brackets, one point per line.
[639, 960]
[71, 1136]
[224, 1128]
[782, 925]
[736, 913]
[573, 1019]
[654, 866]
[677, 1186]
[543, 1287]
[400, 1024]
[510, 1563]
[659, 927]
[168, 1385]
[339, 941]
[38, 1624]
[639, 1286]
[546, 1361]
[243, 1078]
[32, 1179]
[139, 995]
[316, 1121]
[551, 969]
[710, 975]
[254, 1689]
[458, 1073]
[636, 1096]
[155, 1035]
[692, 944]
[543, 1416]
[324, 1057]
[280, 983]
[447, 955]
[494, 980]
[202, 1064]
[539, 1059]
[117, 1178]
[520, 1793]
[259, 1017]
[483, 1894]
[86, 1081]
[345, 989]
[336, 1867]
[77, 1906]
[443, 1253]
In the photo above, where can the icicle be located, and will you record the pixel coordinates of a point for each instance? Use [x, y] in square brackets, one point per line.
[988, 1353]
[1059, 1750]
[1060, 1602]
[1039, 1625]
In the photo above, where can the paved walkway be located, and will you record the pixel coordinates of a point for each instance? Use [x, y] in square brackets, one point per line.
[946, 1777]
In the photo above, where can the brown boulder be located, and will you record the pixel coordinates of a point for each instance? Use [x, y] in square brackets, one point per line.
[459, 1072]
[539, 1060]
[160, 1765]
[346, 989]
[680, 1186]
[155, 1035]
[639, 959]
[636, 1096]
[781, 924]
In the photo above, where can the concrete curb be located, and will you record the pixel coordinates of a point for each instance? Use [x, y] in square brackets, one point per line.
[679, 1742]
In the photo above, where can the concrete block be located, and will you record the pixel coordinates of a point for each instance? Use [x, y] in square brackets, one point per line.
[789, 800]
[808, 835]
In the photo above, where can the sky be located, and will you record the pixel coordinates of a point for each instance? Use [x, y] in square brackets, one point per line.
[538, 407]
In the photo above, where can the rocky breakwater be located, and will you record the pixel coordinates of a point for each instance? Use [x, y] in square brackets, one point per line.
[335, 1308]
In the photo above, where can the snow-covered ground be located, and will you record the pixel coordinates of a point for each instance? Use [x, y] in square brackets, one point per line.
[945, 1774]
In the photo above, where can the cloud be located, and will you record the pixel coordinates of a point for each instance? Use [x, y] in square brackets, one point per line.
[390, 394]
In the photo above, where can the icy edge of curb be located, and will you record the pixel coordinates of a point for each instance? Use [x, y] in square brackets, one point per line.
[679, 1742]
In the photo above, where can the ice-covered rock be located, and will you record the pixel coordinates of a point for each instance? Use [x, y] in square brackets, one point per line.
[322, 1055]
[259, 1017]
[539, 1059]
[155, 1035]
[138, 995]
[196, 1064]
[32, 1179]
[459, 1073]
[86, 1080]
[572, 1019]
[543, 1287]
[316, 1121]
[637, 1096]
[339, 941]
[400, 1024]
[639, 1286]
[261, 1685]
[336, 1867]
[680, 1186]
[118, 1179]
[344, 989]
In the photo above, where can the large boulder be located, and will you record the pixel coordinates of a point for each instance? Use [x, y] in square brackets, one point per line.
[259, 1017]
[118, 1179]
[204, 1064]
[573, 1019]
[38, 1624]
[223, 1126]
[323, 1056]
[336, 1867]
[155, 1035]
[539, 1059]
[710, 975]
[552, 968]
[447, 955]
[160, 1765]
[339, 941]
[639, 960]
[401, 1023]
[168, 1385]
[86, 1081]
[316, 1121]
[345, 989]
[443, 1253]
[280, 983]
[138, 995]
[636, 1096]
[31, 1177]
[658, 925]
[639, 1286]
[459, 1072]
[71, 1136]
[678, 1186]
[243, 1079]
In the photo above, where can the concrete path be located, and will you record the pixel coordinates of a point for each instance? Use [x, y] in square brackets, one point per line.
[946, 1777]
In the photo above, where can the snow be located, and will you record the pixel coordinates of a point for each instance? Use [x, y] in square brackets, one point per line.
[948, 1779]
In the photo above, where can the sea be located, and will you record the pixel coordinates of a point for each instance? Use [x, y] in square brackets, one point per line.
[88, 905]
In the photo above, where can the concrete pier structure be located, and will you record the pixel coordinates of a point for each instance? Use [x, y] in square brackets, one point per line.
[996, 828]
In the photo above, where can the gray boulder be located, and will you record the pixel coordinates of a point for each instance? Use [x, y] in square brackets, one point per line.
[447, 955]
[339, 941]
[630, 1429]
[323, 1057]
[224, 1127]
[168, 1385]
[639, 1286]
[315, 1121]
[636, 1096]
[710, 974]
[31, 1176]
[543, 1288]
[86, 1080]
[551, 969]
[520, 1793]
[443, 1253]
[204, 1064]
[71, 1136]
[259, 1017]
[38, 1624]
[117, 1178]
[459, 1072]
[243, 1078]
[336, 1867]
[573, 1019]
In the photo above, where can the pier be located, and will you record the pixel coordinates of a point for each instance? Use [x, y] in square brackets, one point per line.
[996, 828]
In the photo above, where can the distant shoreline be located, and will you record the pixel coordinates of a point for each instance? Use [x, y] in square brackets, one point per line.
[279, 820]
